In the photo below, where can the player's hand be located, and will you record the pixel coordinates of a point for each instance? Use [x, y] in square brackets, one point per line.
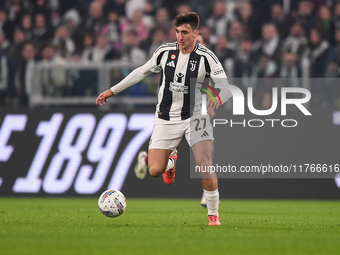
[211, 112]
[102, 98]
[211, 103]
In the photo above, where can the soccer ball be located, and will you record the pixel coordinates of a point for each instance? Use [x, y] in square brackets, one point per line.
[112, 203]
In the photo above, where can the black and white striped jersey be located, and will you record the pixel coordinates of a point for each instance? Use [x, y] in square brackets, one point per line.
[181, 75]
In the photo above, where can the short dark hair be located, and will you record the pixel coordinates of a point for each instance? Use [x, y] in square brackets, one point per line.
[188, 18]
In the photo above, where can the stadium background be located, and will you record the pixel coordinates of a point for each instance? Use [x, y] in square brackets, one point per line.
[56, 56]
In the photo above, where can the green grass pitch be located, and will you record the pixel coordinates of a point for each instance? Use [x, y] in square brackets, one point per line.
[169, 226]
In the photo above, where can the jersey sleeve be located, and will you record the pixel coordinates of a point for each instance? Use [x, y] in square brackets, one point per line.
[138, 74]
[219, 77]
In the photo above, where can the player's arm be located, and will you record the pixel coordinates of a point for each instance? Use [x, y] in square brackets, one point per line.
[210, 105]
[134, 77]
[219, 76]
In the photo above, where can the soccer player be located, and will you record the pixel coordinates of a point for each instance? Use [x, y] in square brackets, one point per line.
[180, 62]
[142, 159]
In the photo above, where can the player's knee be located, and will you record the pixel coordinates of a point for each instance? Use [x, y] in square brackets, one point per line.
[154, 171]
[205, 161]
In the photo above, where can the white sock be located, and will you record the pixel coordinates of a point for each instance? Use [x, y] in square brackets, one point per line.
[173, 153]
[212, 198]
[171, 164]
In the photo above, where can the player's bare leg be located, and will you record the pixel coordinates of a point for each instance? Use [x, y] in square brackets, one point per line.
[158, 160]
[203, 152]
[142, 166]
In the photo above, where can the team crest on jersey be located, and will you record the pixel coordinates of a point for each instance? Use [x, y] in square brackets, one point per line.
[173, 56]
[193, 65]
[179, 77]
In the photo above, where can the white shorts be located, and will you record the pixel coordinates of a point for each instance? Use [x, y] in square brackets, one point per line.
[168, 134]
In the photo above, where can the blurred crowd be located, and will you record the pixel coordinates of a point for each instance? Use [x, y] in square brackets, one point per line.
[262, 38]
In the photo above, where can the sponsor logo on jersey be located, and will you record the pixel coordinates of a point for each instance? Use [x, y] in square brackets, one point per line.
[178, 88]
[171, 63]
[179, 77]
[218, 72]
